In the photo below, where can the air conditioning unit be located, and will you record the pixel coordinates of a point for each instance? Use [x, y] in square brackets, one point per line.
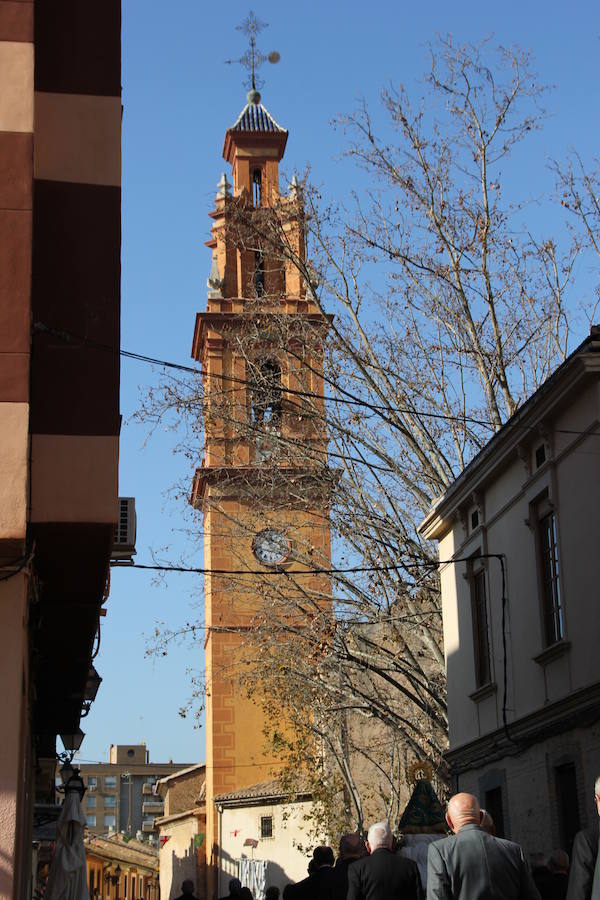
[124, 541]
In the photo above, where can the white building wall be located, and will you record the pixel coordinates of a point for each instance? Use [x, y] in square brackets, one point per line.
[505, 488]
[178, 856]
[287, 852]
[573, 484]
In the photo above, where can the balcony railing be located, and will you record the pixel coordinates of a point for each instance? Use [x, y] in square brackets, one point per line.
[147, 826]
[153, 806]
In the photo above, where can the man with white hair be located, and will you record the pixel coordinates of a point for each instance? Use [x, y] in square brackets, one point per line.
[383, 875]
[584, 858]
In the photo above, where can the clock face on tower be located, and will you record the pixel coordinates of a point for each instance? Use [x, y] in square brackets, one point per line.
[271, 547]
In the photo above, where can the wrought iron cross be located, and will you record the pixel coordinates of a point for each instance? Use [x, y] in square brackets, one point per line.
[253, 58]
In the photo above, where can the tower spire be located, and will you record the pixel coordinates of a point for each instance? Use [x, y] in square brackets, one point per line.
[253, 59]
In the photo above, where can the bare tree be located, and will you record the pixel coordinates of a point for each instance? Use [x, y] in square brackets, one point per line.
[448, 311]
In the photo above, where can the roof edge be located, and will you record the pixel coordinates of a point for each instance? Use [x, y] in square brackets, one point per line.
[434, 523]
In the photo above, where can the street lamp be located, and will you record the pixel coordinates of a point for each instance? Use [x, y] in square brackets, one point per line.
[92, 684]
[71, 778]
[72, 742]
[114, 878]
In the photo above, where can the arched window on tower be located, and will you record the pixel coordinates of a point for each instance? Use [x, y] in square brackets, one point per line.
[257, 187]
[266, 407]
[259, 273]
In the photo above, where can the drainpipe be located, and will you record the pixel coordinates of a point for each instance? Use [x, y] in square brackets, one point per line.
[220, 812]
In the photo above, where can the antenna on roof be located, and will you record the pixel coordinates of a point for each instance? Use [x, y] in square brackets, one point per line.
[253, 59]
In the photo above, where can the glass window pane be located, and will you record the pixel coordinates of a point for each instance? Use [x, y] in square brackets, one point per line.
[483, 669]
[551, 593]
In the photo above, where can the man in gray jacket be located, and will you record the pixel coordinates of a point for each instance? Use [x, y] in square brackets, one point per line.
[474, 865]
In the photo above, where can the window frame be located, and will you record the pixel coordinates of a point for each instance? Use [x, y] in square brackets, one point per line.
[549, 572]
[88, 821]
[477, 577]
[257, 186]
[110, 787]
[263, 821]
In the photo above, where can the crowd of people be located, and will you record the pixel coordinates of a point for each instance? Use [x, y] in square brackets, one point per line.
[471, 863]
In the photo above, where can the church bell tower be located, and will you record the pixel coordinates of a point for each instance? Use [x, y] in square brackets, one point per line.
[260, 346]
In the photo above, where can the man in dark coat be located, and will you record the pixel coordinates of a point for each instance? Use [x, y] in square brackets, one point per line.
[235, 887]
[187, 890]
[582, 884]
[383, 875]
[352, 847]
[321, 882]
[474, 865]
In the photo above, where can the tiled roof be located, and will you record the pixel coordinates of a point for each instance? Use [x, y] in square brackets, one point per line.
[258, 791]
[114, 847]
[255, 117]
[181, 772]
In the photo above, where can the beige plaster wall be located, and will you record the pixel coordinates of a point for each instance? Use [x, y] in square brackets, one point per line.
[177, 856]
[573, 486]
[291, 827]
[14, 425]
[16, 78]
[74, 478]
[78, 138]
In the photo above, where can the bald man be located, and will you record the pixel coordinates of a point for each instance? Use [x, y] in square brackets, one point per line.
[474, 865]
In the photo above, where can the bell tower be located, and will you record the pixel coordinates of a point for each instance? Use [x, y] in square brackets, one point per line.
[260, 482]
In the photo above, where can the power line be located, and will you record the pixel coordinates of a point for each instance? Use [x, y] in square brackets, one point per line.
[427, 563]
[67, 336]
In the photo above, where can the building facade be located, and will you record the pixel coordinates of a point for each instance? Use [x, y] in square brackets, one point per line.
[518, 534]
[266, 838]
[60, 199]
[253, 522]
[182, 832]
[119, 868]
[121, 794]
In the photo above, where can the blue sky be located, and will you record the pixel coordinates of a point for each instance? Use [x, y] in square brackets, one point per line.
[179, 98]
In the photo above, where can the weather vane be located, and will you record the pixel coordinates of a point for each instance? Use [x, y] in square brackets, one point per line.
[253, 58]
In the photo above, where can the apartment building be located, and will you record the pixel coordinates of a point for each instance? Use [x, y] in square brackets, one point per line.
[518, 540]
[121, 794]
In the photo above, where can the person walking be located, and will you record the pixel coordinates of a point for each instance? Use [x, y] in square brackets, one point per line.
[584, 857]
[472, 864]
[321, 881]
[351, 848]
[383, 875]
[235, 886]
[187, 890]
